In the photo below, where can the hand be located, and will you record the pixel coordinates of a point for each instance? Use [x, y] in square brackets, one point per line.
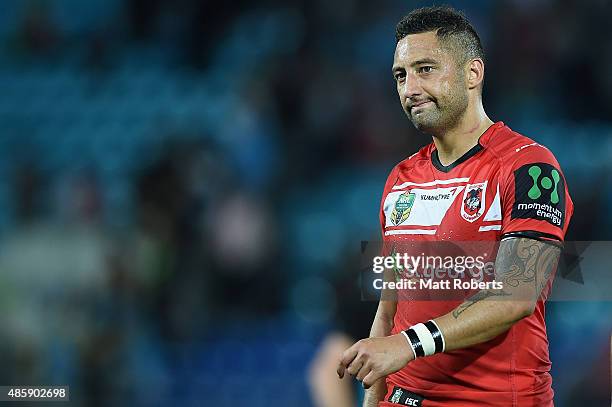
[370, 359]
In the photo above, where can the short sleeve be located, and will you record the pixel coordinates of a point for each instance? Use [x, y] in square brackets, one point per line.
[535, 198]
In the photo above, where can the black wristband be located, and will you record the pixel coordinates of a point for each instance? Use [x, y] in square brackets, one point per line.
[416, 343]
[436, 334]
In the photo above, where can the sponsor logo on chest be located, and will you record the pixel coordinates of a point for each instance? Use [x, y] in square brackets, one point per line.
[428, 207]
[419, 207]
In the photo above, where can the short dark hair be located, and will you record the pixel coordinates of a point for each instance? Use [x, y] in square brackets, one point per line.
[448, 23]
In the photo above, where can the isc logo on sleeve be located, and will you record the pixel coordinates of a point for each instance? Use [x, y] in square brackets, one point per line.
[405, 398]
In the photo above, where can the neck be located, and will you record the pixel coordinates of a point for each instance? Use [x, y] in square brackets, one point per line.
[456, 141]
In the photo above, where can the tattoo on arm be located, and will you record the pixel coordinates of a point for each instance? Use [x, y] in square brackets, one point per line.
[522, 260]
[479, 296]
[519, 261]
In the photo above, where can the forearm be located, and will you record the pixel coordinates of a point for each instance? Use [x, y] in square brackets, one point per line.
[524, 267]
[476, 321]
[383, 321]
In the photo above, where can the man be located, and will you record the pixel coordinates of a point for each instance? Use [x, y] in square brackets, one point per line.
[479, 181]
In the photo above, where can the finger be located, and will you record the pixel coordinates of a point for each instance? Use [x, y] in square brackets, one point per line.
[340, 370]
[363, 372]
[347, 358]
[354, 367]
[370, 379]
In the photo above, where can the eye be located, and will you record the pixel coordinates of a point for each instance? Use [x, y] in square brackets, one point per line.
[399, 76]
[425, 69]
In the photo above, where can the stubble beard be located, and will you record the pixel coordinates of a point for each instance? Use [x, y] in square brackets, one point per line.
[443, 114]
[426, 119]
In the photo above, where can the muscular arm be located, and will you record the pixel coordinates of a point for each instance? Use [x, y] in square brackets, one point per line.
[524, 266]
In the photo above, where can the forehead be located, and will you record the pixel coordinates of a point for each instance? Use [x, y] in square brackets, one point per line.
[415, 47]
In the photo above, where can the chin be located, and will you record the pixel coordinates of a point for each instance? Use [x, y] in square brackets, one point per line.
[425, 125]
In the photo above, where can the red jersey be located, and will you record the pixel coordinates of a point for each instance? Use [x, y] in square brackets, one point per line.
[507, 185]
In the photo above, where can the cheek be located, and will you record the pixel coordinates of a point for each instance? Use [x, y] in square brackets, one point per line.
[445, 85]
[448, 81]
[438, 87]
[450, 88]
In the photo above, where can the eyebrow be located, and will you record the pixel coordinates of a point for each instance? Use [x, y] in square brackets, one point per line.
[421, 61]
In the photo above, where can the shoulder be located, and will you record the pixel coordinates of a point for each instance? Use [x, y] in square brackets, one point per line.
[513, 149]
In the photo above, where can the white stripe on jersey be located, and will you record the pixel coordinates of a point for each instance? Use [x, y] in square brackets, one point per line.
[431, 183]
[411, 232]
[489, 227]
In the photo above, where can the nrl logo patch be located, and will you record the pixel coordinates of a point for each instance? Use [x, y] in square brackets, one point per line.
[402, 208]
[397, 395]
[473, 201]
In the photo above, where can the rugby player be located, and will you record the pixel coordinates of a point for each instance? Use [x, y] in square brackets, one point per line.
[491, 184]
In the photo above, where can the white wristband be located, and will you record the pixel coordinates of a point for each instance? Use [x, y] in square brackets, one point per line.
[429, 346]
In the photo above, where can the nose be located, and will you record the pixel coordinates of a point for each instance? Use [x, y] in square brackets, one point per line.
[411, 87]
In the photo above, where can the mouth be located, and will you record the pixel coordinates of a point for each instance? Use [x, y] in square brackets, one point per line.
[420, 105]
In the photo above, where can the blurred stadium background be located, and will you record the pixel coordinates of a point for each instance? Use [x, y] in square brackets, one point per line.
[181, 184]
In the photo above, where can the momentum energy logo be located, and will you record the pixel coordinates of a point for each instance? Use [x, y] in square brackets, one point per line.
[539, 194]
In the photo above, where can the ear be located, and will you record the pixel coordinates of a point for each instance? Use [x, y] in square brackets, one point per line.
[475, 72]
